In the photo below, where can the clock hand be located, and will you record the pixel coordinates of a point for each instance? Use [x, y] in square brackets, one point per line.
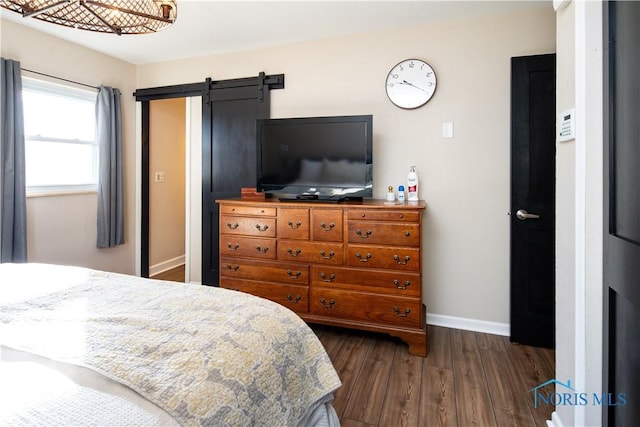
[411, 84]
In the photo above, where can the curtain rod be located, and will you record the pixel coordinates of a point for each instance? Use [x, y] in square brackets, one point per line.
[58, 78]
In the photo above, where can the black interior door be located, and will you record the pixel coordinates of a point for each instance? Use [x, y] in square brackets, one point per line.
[230, 110]
[533, 200]
[621, 345]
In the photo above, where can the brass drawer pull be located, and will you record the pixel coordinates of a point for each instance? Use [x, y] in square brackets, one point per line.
[405, 314]
[262, 228]
[292, 252]
[363, 236]
[325, 228]
[233, 226]
[325, 256]
[293, 300]
[396, 258]
[233, 247]
[324, 277]
[407, 233]
[293, 275]
[324, 303]
[233, 267]
[263, 250]
[298, 224]
[366, 257]
[396, 282]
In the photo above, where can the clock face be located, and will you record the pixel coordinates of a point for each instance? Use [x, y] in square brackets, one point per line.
[411, 83]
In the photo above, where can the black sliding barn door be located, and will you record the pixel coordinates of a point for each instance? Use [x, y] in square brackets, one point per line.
[621, 292]
[230, 110]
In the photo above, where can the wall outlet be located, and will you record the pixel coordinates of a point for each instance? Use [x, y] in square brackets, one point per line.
[159, 177]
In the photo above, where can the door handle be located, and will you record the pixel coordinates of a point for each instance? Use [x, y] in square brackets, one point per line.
[522, 215]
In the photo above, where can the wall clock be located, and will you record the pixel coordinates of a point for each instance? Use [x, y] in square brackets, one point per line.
[411, 83]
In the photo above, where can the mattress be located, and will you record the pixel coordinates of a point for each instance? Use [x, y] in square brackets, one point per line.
[81, 346]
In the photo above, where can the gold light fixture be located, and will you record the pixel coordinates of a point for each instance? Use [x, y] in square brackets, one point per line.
[105, 16]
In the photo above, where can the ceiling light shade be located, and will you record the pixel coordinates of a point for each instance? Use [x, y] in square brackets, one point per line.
[104, 16]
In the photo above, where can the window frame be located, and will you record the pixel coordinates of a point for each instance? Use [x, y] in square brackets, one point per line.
[51, 88]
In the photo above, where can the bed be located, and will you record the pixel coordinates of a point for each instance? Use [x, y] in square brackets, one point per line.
[87, 347]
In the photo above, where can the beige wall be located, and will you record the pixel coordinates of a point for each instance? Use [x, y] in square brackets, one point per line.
[167, 133]
[62, 229]
[465, 180]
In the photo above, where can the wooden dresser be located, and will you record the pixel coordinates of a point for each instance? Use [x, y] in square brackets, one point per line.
[355, 265]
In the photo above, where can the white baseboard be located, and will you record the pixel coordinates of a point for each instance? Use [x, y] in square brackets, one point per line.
[166, 265]
[469, 324]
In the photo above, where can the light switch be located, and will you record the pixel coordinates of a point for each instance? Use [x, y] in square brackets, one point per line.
[447, 130]
[159, 177]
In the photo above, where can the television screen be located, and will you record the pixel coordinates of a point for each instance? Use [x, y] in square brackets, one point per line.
[315, 157]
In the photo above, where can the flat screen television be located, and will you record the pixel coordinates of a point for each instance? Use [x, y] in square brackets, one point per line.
[315, 158]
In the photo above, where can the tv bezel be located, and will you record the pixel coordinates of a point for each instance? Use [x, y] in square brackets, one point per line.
[319, 192]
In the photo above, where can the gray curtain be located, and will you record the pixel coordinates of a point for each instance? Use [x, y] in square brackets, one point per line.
[13, 202]
[109, 137]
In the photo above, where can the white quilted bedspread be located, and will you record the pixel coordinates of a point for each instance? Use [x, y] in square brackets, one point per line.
[207, 356]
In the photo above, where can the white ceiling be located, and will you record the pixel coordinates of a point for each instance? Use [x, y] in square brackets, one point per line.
[209, 27]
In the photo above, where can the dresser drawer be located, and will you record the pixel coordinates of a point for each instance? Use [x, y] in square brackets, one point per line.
[293, 224]
[242, 246]
[247, 210]
[384, 233]
[248, 226]
[326, 225]
[311, 252]
[366, 307]
[282, 272]
[400, 258]
[294, 297]
[399, 283]
[381, 215]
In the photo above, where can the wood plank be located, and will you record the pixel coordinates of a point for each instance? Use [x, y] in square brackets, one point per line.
[492, 342]
[507, 393]
[532, 371]
[367, 397]
[473, 401]
[439, 354]
[437, 397]
[402, 404]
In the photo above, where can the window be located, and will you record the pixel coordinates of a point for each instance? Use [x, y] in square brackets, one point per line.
[60, 145]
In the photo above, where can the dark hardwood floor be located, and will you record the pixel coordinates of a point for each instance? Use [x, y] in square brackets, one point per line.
[467, 379]
[173, 275]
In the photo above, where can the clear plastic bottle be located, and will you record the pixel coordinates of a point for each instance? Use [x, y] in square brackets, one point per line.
[412, 184]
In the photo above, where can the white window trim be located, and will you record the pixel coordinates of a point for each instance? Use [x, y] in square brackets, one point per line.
[29, 83]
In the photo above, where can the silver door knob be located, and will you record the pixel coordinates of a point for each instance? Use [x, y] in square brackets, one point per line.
[522, 215]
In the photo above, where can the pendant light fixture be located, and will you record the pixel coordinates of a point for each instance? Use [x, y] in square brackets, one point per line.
[104, 16]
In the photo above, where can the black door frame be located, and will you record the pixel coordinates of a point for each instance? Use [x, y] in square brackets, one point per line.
[144, 96]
